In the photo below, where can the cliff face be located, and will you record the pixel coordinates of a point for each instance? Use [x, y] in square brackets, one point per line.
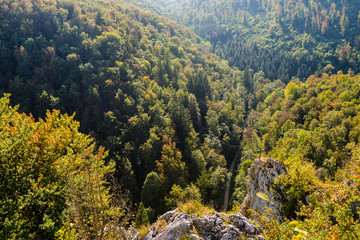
[177, 225]
[261, 179]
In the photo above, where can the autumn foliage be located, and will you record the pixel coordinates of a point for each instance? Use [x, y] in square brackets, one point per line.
[52, 178]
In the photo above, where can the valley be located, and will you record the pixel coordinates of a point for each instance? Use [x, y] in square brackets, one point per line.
[114, 113]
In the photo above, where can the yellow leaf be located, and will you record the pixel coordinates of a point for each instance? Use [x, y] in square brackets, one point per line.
[263, 196]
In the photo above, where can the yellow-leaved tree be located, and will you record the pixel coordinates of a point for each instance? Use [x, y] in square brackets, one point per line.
[52, 179]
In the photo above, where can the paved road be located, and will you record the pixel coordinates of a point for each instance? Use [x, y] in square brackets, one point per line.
[231, 169]
[228, 180]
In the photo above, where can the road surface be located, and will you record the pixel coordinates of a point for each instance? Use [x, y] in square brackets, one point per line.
[228, 180]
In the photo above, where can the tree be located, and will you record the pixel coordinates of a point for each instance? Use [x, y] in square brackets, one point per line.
[24, 64]
[170, 167]
[151, 192]
[52, 176]
[204, 183]
[198, 162]
[240, 182]
[248, 79]
[218, 180]
[179, 195]
[142, 217]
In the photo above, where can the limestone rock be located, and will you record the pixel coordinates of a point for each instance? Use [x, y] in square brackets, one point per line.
[132, 234]
[243, 224]
[176, 225]
[262, 174]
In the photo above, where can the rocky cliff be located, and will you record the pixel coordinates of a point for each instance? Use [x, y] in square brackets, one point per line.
[262, 174]
[219, 226]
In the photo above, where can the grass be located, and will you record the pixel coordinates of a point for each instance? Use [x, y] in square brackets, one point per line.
[195, 207]
[235, 209]
[143, 230]
[161, 224]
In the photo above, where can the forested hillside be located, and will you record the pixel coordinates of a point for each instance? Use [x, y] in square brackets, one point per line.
[284, 39]
[312, 127]
[165, 116]
[169, 112]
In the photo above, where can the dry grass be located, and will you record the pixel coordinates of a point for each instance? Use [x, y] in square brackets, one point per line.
[143, 230]
[235, 209]
[195, 207]
[160, 225]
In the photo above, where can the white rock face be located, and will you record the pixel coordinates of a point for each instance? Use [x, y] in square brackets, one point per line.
[262, 174]
[189, 226]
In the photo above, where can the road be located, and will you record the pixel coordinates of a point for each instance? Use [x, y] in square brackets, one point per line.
[231, 169]
[228, 180]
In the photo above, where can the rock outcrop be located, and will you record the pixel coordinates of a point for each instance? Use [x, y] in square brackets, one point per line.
[177, 225]
[220, 226]
[131, 233]
[262, 174]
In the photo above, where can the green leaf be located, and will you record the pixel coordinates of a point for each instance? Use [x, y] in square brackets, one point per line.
[263, 196]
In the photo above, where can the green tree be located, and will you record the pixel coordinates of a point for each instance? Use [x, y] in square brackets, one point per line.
[204, 183]
[142, 217]
[179, 195]
[151, 192]
[240, 182]
[171, 168]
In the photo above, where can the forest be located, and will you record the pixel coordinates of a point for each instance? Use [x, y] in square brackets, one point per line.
[283, 39]
[112, 113]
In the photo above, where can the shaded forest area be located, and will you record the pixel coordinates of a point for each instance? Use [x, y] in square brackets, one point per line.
[283, 39]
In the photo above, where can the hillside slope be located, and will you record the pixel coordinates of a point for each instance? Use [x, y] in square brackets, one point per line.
[284, 39]
[144, 87]
[311, 127]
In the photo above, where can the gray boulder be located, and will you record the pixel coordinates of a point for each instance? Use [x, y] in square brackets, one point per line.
[177, 225]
